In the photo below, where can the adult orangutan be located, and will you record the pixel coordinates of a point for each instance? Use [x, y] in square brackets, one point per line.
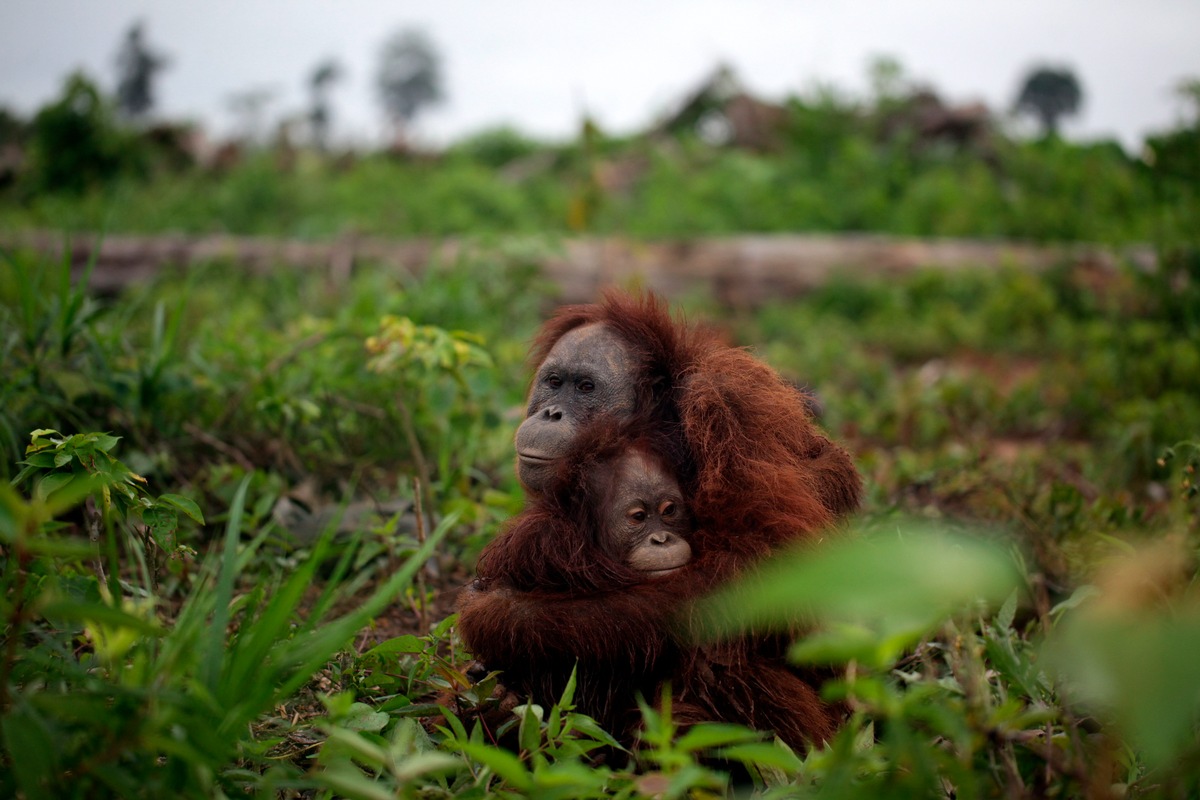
[609, 605]
[756, 473]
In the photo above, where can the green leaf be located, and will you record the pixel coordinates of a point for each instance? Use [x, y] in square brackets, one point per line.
[357, 746]
[445, 625]
[213, 652]
[407, 643]
[23, 474]
[1137, 669]
[1017, 670]
[456, 727]
[31, 750]
[364, 718]
[98, 612]
[838, 643]
[346, 781]
[44, 460]
[1007, 612]
[62, 458]
[589, 727]
[184, 504]
[73, 385]
[762, 754]
[530, 732]
[580, 780]
[106, 442]
[400, 707]
[894, 583]
[568, 696]
[1081, 595]
[714, 734]
[52, 483]
[501, 762]
[417, 764]
[163, 524]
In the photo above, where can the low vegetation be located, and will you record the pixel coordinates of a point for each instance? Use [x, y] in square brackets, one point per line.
[1015, 610]
[899, 162]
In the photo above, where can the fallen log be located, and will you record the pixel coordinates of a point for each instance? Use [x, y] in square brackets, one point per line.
[741, 271]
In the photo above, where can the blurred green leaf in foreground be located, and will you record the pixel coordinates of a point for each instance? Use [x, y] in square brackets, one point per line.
[1131, 650]
[873, 595]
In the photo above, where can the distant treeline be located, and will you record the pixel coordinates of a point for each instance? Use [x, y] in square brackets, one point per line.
[902, 163]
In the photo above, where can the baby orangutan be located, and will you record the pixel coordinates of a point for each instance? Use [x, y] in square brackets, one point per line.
[586, 578]
[644, 521]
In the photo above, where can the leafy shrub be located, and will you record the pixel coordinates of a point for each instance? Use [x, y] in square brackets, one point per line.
[75, 143]
[495, 147]
[833, 171]
[99, 697]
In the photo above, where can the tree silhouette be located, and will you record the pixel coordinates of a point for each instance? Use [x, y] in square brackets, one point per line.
[409, 77]
[1049, 93]
[325, 75]
[250, 108]
[74, 143]
[136, 67]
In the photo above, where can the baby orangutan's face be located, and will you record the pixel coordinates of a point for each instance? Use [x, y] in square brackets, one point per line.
[647, 522]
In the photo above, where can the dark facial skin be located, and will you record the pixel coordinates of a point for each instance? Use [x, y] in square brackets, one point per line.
[646, 521]
[587, 372]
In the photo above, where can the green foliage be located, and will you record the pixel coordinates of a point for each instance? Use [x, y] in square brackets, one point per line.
[839, 166]
[975, 708]
[99, 698]
[403, 347]
[494, 147]
[1138, 669]
[935, 358]
[989, 659]
[46, 354]
[54, 462]
[878, 595]
[75, 143]
[278, 385]
[1049, 93]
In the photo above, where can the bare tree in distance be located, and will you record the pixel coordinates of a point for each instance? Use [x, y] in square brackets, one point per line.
[250, 108]
[409, 79]
[1188, 93]
[322, 78]
[1050, 93]
[136, 68]
[889, 82]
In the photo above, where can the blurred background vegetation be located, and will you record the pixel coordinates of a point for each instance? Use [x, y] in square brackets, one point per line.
[899, 160]
[237, 504]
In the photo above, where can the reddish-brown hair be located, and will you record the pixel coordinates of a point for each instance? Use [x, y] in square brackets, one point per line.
[755, 458]
[756, 473]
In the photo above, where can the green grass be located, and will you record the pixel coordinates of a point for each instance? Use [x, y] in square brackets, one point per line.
[144, 652]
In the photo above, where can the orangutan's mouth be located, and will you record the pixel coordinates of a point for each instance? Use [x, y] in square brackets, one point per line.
[658, 573]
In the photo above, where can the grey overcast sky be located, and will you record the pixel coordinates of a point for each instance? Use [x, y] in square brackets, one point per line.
[537, 64]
